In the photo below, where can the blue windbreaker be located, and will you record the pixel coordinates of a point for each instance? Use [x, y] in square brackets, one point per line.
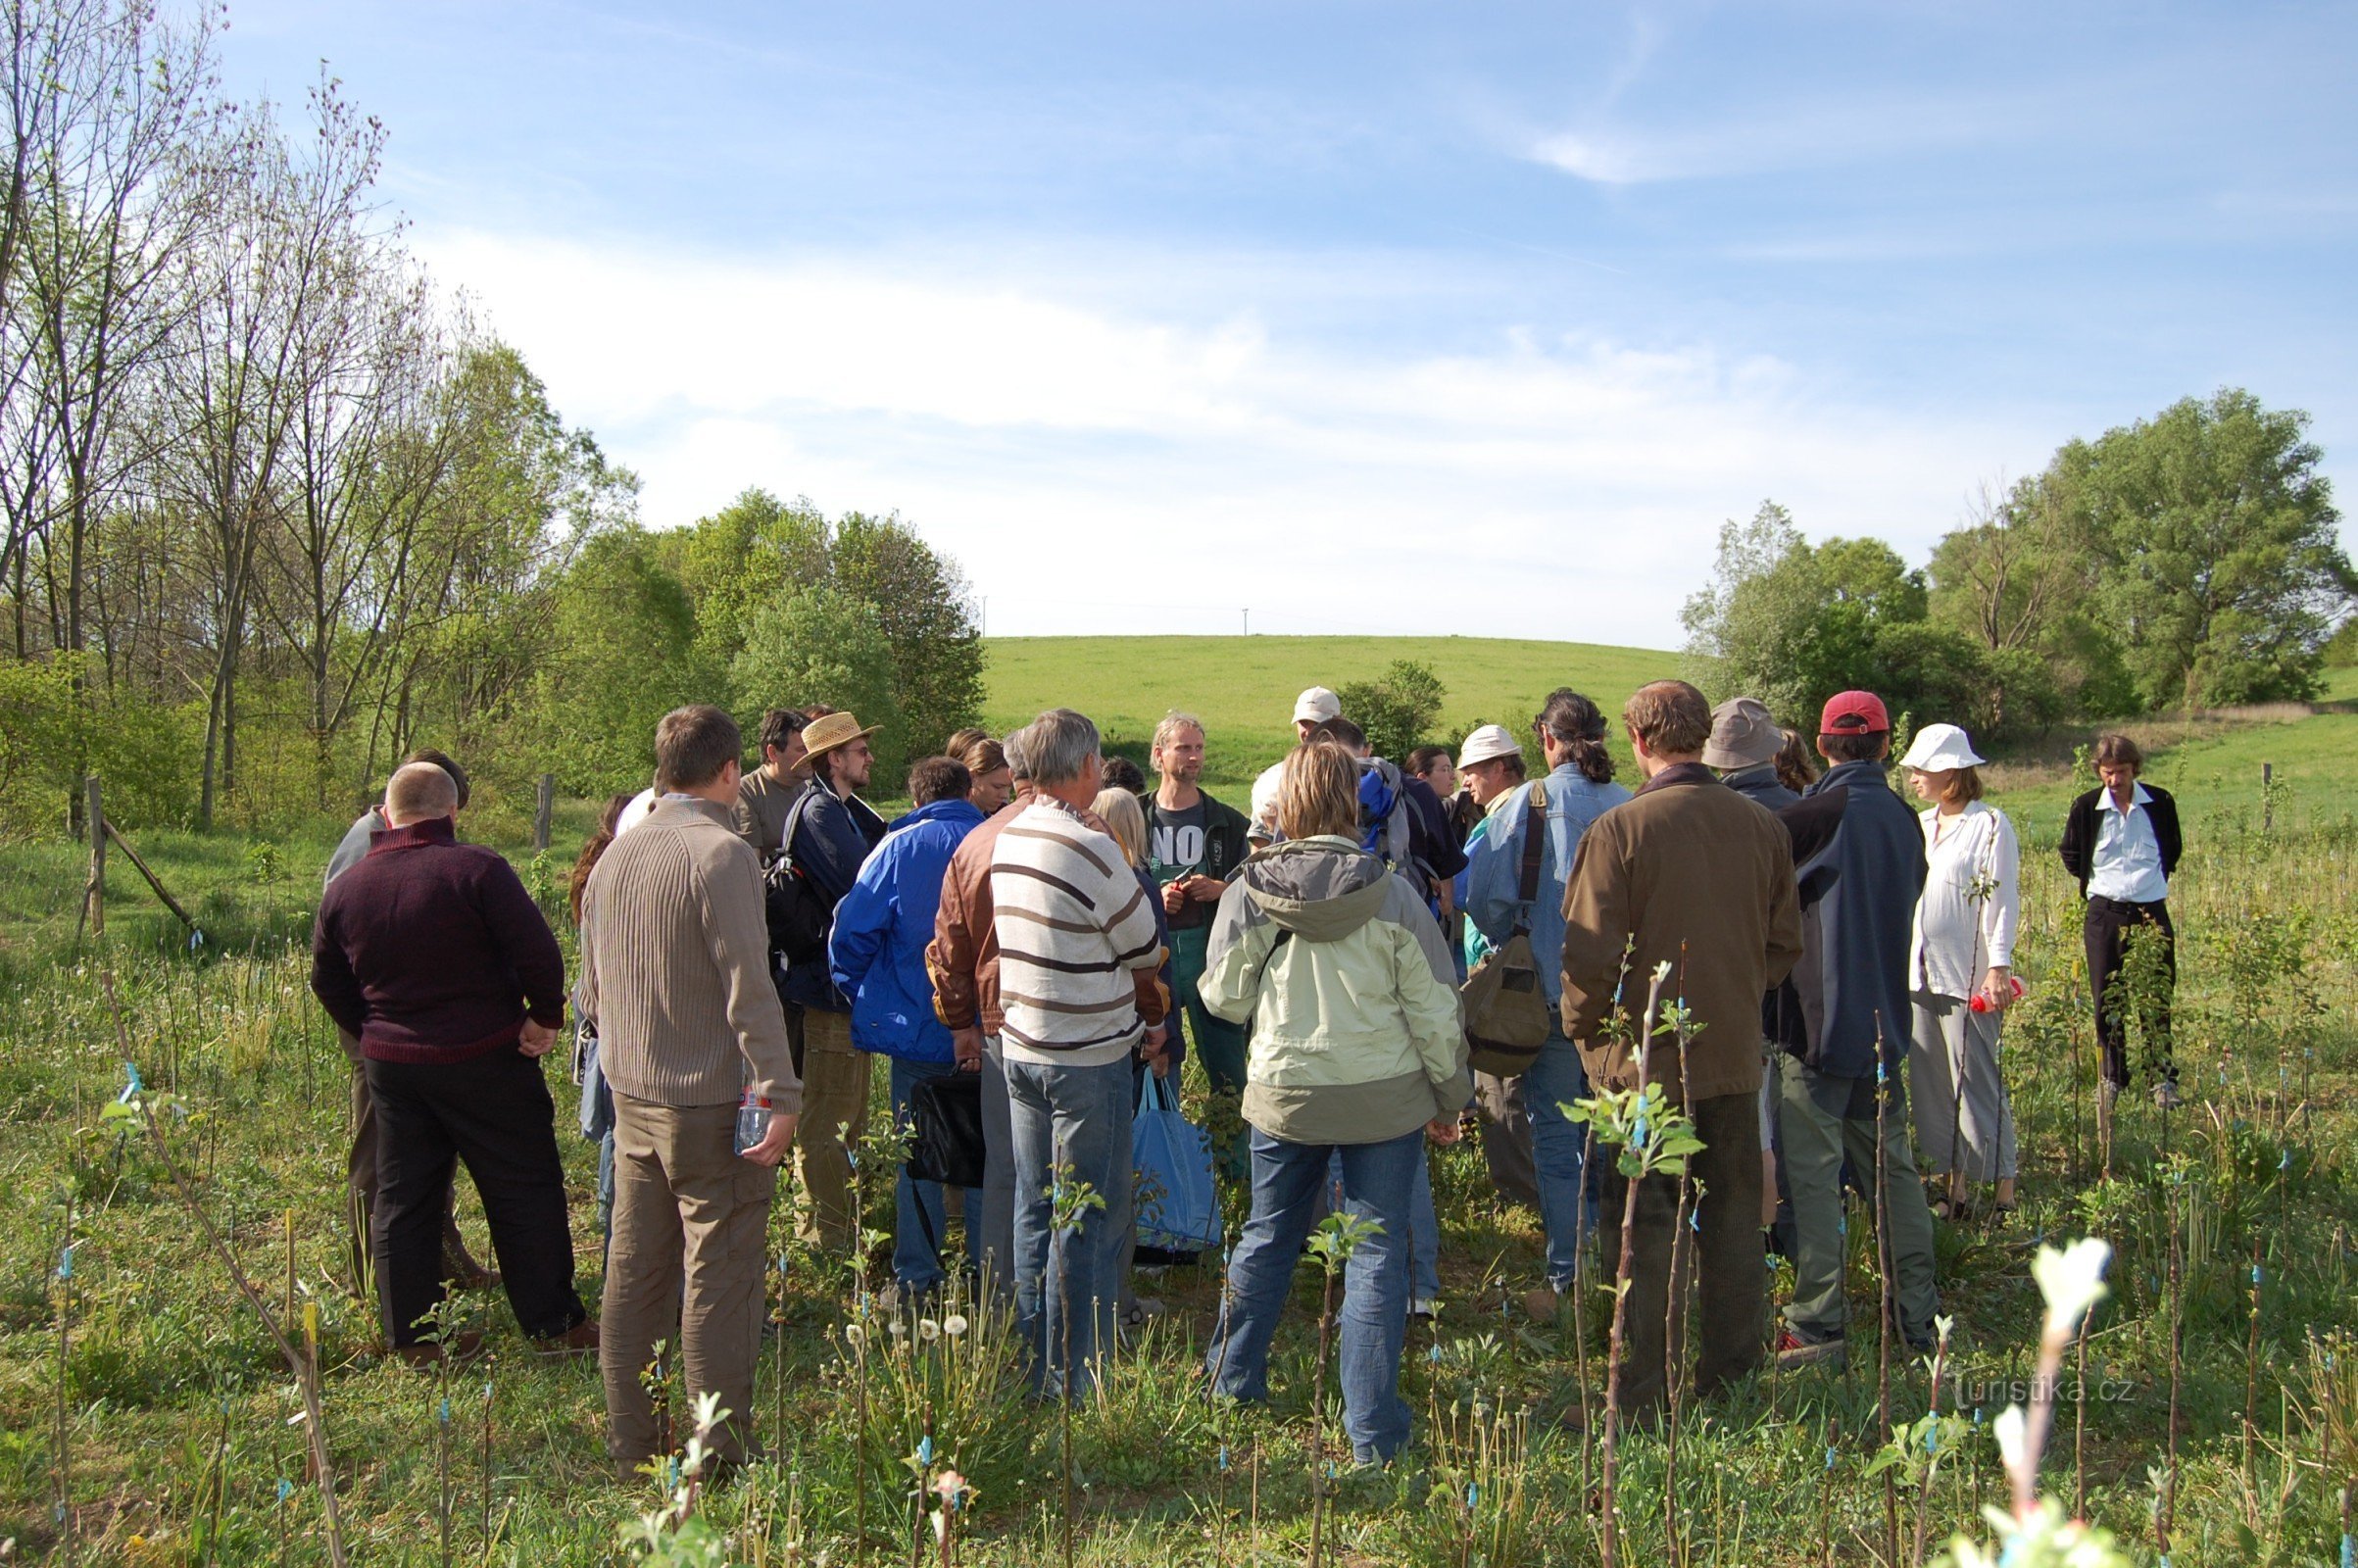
[876, 951]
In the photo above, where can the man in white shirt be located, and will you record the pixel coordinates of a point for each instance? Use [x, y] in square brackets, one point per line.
[2121, 841]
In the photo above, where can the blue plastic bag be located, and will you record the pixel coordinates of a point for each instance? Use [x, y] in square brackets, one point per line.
[1178, 1209]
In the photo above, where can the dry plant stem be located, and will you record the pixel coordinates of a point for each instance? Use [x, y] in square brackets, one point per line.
[1932, 1470]
[2251, 1365]
[2167, 1524]
[1580, 1307]
[2080, 1428]
[64, 1425]
[1614, 1345]
[1326, 1320]
[315, 1427]
[1672, 1365]
[1834, 1431]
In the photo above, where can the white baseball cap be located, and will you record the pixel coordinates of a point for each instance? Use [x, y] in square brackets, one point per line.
[1316, 705]
[1939, 748]
[1487, 744]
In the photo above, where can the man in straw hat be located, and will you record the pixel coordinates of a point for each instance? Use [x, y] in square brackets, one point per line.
[833, 831]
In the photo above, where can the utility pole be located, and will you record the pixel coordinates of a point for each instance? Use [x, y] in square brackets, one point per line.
[1248, 615]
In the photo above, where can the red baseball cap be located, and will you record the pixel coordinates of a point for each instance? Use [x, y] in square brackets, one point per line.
[1854, 714]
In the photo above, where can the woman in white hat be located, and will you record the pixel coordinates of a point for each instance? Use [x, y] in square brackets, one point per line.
[1960, 971]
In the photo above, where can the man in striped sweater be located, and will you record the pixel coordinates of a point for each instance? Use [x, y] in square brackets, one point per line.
[1077, 955]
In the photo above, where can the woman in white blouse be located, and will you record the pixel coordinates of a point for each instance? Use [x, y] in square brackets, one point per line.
[1960, 971]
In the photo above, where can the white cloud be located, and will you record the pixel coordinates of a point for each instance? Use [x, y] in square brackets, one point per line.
[1100, 459]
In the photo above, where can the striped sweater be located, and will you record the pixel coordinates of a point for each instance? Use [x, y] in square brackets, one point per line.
[1074, 924]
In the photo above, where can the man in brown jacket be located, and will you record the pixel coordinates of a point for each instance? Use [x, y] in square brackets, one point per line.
[674, 969]
[963, 961]
[1701, 879]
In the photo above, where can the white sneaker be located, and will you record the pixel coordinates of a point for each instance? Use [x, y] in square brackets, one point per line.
[1424, 1306]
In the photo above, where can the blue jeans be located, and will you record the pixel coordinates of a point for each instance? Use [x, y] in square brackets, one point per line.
[1377, 1182]
[1066, 1291]
[1424, 1226]
[1558, 1148]
[918, 1217]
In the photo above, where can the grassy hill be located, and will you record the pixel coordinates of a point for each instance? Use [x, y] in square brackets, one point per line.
[1244, 687]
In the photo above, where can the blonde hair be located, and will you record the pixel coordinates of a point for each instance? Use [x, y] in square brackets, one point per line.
[1126, 820]
[1318, 793]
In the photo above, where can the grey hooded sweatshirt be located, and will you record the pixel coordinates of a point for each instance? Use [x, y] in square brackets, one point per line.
[1352, 1002]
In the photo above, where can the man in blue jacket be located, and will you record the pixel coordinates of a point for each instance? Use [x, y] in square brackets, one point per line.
[828, 837]
[1858, 857]
[876, 954]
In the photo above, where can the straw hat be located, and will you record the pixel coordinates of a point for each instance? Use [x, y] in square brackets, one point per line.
[1939, 748]
[836, 729]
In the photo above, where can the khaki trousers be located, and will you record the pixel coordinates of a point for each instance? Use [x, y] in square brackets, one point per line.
[360, 1183]
[688, 1212]
[835, 1092]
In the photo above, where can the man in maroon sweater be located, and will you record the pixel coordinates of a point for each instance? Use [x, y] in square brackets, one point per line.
[434, 956]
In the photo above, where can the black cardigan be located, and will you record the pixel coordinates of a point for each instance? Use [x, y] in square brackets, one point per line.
[2078, 846]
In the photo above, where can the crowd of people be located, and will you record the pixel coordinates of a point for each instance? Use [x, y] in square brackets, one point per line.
[1045, 927]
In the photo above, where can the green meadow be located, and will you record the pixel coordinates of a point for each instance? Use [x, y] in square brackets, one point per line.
[1243, 688]
[147, 1418]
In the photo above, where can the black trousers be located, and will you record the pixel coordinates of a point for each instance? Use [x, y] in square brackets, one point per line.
[2106, 932]
[494, 1113]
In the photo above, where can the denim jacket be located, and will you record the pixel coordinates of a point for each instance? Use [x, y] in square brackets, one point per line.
[1494, 874]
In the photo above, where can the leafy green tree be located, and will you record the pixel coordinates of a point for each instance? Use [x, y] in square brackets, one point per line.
[2018, 579]
[1397, 709]
[1790, 622]
[755, 551]
[2219, 564]
[920, 600]
[822, 645]
[620, 654]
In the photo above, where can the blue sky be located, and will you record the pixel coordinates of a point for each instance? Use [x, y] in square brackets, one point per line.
[1369, 317]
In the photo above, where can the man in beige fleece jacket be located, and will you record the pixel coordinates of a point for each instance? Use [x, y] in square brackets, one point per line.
[674, 966]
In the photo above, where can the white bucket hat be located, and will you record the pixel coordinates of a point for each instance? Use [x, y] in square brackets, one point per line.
[1487, 744]
[1939, 747]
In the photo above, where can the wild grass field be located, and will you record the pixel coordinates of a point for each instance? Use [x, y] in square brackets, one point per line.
[1243, 688]
[147, 1417]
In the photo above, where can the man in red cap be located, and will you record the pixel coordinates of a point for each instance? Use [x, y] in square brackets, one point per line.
[1858, 856]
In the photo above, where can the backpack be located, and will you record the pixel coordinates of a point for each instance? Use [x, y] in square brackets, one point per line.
[798, 911]
[1384, 825]
[1506, 1006]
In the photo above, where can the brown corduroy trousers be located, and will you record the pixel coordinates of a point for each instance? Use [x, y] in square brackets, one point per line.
[688, 1210]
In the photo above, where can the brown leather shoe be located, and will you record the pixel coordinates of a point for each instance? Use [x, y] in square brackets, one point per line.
[581, 1340]
[429, 1354]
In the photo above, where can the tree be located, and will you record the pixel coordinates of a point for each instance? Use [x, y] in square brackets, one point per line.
[825, 646]
[753, 552]
[2218, 561]
[920, 600]
[1790, 622]
[1397, 710]
[619, 656]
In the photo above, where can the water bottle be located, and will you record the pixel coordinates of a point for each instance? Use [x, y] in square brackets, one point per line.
[752, 1120]
[1980, 1004]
